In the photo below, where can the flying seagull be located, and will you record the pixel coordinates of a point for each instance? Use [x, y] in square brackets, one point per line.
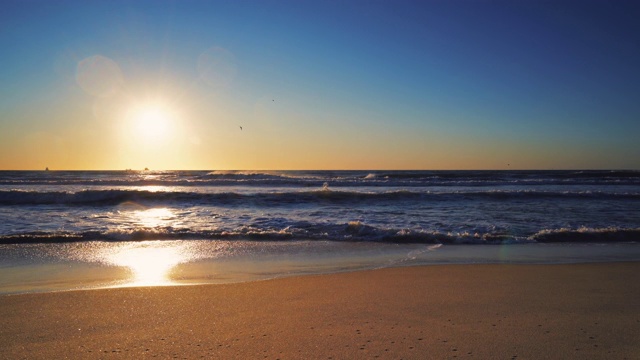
[240, 128]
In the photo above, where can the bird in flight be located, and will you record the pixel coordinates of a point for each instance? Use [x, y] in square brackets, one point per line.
[240, 128]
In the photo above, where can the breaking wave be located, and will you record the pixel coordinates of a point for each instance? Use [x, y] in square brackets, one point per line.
[113, 197]
[351, 231]
[316, 178]
[584, 234]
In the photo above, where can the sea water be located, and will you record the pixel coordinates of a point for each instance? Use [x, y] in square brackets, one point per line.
[70, 229]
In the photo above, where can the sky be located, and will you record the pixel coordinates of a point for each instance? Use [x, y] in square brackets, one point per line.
[98, 85]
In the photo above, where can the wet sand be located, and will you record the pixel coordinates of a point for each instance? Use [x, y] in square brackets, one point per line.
[580, 311]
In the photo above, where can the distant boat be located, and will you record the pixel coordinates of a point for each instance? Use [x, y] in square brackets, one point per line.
[46, 169]
[146, 169]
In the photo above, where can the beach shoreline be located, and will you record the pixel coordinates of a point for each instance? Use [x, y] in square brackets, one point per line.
[77, 266]
[443, 311]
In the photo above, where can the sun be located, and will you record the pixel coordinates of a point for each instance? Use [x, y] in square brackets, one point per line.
[151, 122]
[152, 133]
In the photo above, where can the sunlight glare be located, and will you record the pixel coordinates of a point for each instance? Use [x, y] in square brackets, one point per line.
[150, 262]
[152, 123]
[153, 132]
[152, 218]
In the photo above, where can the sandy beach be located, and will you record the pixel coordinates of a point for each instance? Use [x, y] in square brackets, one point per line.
[580, 311]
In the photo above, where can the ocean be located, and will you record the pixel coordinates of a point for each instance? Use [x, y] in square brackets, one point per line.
[63, 230]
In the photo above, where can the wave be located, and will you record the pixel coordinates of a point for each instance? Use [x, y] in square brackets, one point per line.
[114, 197]
[353, 231]
[316, 178]
[585, 234]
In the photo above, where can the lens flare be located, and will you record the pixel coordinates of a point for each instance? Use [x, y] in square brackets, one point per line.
[99, 76]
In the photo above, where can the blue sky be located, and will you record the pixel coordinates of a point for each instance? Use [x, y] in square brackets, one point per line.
[358, 84]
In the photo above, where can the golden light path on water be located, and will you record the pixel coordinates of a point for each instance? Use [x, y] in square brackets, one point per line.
[152, 218]
[155, 262]
[150, 262]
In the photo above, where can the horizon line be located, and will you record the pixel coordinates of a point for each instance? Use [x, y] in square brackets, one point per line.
[337, 169]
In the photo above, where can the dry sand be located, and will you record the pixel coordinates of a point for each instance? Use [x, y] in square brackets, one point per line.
[585, 311]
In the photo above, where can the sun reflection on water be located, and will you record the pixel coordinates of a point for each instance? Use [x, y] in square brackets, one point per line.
[150, 262]
[153, 217]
